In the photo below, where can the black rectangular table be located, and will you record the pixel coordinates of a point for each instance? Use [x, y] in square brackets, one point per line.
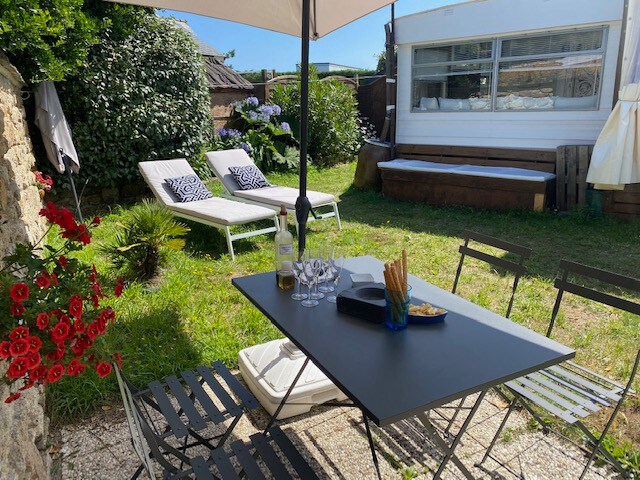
[394, 375]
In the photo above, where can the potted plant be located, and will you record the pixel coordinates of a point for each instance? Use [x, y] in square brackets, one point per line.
[43, 182]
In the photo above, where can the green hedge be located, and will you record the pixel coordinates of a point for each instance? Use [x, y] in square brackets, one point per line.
[141, 97]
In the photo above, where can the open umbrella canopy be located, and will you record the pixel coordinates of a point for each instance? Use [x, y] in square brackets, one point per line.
[284, 16]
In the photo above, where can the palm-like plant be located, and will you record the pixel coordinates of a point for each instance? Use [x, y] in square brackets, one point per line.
[147, 231]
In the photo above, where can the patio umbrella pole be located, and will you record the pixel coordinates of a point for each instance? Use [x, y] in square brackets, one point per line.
[67, 168]
[303, 206]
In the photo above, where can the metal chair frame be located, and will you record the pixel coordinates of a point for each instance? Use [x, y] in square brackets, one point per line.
[570, 391]
[518, 269]
[150, 442]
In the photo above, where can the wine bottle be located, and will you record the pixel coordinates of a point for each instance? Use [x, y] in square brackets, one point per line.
[284, 254]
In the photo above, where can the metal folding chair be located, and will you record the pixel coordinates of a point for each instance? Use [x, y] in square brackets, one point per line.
[192, 410]
[517, 268]
[569, 391]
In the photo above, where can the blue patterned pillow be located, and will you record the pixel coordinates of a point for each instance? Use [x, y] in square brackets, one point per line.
[249, 177]
[188, 188]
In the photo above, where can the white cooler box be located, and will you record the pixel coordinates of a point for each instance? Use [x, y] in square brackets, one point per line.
[269, 370]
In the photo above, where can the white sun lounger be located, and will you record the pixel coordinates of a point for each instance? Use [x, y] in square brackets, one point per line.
[269, 197]
[216, 212]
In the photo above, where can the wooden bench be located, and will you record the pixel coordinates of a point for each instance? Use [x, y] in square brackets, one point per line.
[448, 175]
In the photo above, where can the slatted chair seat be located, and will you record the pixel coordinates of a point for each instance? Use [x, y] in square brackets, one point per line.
[570, 391]
[257, 459]
[192, 409]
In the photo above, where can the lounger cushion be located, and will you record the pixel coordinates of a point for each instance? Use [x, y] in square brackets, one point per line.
[223, 211]
[217, 210]
[221, 160]
[188, 188]
[249, 177]
[284, 195]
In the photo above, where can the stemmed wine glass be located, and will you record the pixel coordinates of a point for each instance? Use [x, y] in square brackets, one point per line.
[309, 276]
[316, 263]
[337, 262]
[298, 273]
[327, 273]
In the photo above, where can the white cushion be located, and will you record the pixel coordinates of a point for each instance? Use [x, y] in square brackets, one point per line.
[218, 210]
[220, 161]
[223, 211]
[154, 173]
[429, 103]
[454, 104]
[575, 103]
[284, 195]
[418, 166]
[480, 103]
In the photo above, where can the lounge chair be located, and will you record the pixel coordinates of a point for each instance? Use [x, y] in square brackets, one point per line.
[216, 212]
[269, 197]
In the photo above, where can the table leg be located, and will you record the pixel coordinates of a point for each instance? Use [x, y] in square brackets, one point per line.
[286, 396]
[449, 450]
[371, 444]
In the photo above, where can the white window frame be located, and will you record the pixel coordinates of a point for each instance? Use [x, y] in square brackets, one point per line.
[496, 59]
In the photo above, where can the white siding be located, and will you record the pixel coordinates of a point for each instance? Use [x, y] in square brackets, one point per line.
[490, 19]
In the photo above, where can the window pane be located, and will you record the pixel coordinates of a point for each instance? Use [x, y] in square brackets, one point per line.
[452, 92]
[454, 53]
[567, 83]
[554, 43]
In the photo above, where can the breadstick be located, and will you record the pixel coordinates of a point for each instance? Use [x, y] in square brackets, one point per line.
[405, 272]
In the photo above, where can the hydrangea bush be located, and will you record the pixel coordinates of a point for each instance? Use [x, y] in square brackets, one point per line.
[53, 309]
[261, 134]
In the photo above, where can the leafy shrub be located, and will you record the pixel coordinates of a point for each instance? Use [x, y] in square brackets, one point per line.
[141, 97]
[269, 141]
[335, 129]
[146, 233]
[50, 39]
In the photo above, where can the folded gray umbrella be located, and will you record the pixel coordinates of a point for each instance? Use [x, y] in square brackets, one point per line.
[55, 130]
[56, 134]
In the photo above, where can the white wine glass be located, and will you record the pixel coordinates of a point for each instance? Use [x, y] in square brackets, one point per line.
[337, 263]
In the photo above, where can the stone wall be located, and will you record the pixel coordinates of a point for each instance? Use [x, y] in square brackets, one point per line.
[220, 105]
[22, 423]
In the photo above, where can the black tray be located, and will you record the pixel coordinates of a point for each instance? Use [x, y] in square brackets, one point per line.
[366, 302]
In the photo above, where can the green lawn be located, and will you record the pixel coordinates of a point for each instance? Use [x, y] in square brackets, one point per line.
[194, 314]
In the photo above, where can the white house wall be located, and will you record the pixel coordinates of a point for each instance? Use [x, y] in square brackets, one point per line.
[496, 18]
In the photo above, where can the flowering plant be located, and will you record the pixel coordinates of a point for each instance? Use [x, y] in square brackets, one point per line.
[52, 310]
[43, 182]
[261, 134]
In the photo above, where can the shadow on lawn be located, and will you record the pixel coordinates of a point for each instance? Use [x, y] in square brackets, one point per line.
[602, 243]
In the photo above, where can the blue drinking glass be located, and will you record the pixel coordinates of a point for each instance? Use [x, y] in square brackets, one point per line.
[397, 308]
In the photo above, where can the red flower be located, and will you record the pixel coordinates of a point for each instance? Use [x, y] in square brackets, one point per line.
[108, 314]
[97, 289]
[54, 278]
[118, 359]
[78, 326]
[34, 344]
[95, 301]
[62, 261]
[42, 281]
[75, 306]
[55, 373]
[13, 397]
[19, 347]
[4, 350]
[38, 373]
[33, 360]
[58, 353]
[19, 333]
[59, 332]
[75, 368]
[102, 325]
[117, 291]
[19, 292]
[96, 220]
[17, 309]
[17, 368]
[93, 330]
[103, 369]
[42, 321]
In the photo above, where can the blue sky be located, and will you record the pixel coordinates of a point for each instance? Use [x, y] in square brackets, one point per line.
[353, 45]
